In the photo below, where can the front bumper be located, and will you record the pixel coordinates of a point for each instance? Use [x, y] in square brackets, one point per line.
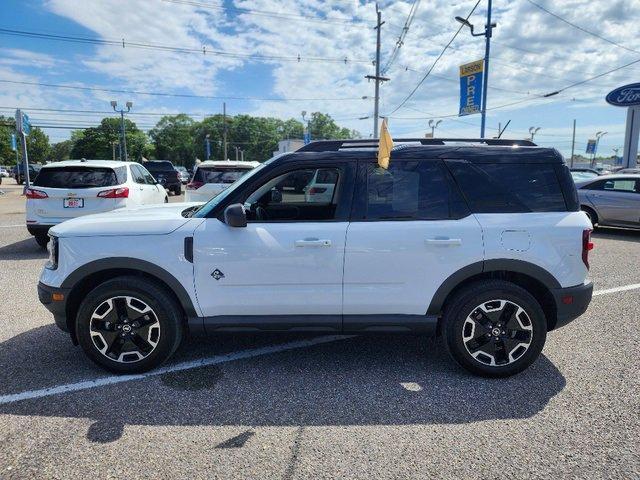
[57, 307]
[571, 302]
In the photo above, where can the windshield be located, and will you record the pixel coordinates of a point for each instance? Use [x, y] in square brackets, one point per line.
[211, 204]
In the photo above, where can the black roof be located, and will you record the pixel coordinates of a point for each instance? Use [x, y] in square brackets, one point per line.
[471, 150]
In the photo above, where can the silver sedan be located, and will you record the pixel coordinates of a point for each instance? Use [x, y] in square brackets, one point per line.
[611, 200]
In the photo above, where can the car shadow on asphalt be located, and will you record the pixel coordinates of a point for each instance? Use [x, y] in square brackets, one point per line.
[617, 234]
[364, 380]
[26, 249]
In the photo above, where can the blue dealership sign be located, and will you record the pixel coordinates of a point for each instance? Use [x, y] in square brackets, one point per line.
[626, 96]
[591, 146]
[471, 87]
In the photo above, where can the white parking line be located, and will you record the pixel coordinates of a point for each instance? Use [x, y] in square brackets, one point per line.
[114, 379]
[111, 380]
[624, 288]
[12, 226]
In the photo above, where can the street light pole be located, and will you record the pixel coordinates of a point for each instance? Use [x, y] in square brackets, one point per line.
[208, 146]
[123, 137]
[433, 126]
[533, 131]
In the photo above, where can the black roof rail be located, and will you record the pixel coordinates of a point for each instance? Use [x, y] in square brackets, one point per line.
[335, 145]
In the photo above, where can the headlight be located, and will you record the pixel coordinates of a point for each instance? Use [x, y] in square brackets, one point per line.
[52, 247]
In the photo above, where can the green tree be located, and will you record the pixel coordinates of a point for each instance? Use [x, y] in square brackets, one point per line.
[173, 138]
[61, 151]
[323, 127]
[38, 146]
[7, 127]
[97, 142]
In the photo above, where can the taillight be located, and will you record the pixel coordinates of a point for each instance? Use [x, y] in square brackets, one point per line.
[31, 193]
[587, 246]
[122, 192]
[194, 185]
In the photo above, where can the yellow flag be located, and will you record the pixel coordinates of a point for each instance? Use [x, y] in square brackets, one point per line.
[385, 146]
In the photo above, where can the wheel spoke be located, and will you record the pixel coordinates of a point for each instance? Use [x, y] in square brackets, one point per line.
[507, 314]
[143, 346]
[120, 305]
[115, 347]
[477, 344]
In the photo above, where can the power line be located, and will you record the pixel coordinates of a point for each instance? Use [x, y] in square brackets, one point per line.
[582, 29]
[408, 97]
[403, 34]
[180, 95]
[168, 48]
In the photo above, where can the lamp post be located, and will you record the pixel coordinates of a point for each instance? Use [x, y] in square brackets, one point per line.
[306, 132]
[433, 126]
[533, 131]
[123, 138]
[487, 34]
[207, 143]
[599, 135]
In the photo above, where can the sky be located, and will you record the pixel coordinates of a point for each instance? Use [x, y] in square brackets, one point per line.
[281, 57]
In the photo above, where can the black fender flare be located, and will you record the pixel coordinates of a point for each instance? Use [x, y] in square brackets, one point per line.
[494, 265]
[136, 264]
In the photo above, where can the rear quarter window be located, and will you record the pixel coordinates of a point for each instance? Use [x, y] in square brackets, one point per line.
[80, 177]
[510, 187]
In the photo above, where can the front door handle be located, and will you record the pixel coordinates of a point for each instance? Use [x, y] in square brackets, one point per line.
[443, 241]
[313, 242]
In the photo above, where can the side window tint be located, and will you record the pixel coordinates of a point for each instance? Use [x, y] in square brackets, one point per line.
[620, 185]
[509, 187]
[148, 178]
[137, 174]
[410, 190]
[300, 195]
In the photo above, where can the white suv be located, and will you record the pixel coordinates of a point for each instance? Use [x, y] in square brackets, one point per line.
[212, 177]
[481, 242]
[72, 188]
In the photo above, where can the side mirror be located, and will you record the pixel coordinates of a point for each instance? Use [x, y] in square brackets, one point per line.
[235, 216]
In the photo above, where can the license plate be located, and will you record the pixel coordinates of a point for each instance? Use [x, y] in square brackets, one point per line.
[73, 203]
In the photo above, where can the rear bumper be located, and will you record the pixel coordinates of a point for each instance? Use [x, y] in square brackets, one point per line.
[571, 302]
[57, 307]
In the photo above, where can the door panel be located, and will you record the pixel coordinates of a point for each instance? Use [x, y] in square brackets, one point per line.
[395, 267]
[270, 268]
[618, 202]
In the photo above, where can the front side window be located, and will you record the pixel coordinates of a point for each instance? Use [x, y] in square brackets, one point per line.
[136, 172]
[148, 178]
[410, 190]
[279, 200]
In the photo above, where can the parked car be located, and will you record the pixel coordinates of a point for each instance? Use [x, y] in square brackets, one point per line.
[183, 174]
[165, 173]
[629, 171]
[580, 174]
[212, 177]
[321, 186]
[73, 188]
[4, 172]
[19, 176]
[612, 200]
[484, 244]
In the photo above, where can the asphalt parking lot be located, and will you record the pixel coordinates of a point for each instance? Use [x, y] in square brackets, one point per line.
[319, 407]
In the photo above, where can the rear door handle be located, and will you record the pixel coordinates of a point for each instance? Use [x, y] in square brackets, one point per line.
[313, 242]
[443, 241]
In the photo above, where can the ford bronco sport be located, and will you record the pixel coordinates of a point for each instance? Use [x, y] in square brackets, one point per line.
[480, 241]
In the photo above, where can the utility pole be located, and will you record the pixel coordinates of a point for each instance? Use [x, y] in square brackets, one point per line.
[123, 137]
[237, 149]
[242, 155]
[573, 143]
[485, 87]
[207, 143]
[113, 150]
[377, 77]
[224, 129]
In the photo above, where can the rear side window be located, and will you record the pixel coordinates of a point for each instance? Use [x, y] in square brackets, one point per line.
[509, 187]
[218, 175]
[617, 185]
[80, 177]
[411, 190]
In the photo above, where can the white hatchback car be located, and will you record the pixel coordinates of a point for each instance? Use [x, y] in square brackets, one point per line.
[72, 188]
[212, 177]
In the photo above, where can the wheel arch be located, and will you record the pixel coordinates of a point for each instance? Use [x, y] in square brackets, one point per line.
[85, 278]
[536, 280]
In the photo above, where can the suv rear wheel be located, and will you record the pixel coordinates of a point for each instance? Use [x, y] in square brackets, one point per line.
[129, 325]
[494, 328]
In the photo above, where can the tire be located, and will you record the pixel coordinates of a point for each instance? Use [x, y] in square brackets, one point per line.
[42, 240]
[166, 199]
[482, 347]
[154, 326]
[593, 216]
[177, 190]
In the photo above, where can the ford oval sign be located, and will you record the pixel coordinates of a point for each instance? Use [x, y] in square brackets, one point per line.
[626, 96]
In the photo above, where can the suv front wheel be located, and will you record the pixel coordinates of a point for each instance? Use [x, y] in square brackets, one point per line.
[129, 325]
[494, 328]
